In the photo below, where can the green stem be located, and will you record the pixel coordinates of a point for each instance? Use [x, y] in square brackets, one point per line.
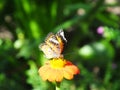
[57, 86]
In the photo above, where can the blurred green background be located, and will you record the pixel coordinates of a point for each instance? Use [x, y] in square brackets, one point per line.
[92, 28]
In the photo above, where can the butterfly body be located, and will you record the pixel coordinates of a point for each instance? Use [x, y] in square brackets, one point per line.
[53, 45]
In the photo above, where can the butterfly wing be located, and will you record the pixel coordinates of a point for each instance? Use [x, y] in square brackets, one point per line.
[52, 41]
[61, 39]
[47, 50]
[54, 44]
[61, 35]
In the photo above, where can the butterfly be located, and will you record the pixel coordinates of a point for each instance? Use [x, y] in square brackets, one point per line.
[53, 45]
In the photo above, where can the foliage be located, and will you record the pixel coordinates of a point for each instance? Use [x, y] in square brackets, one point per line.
[91, 28]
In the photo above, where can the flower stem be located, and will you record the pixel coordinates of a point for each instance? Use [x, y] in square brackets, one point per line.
[57, 86]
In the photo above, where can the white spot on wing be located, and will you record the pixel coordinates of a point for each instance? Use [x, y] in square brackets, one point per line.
[62, 34]
[54, 40]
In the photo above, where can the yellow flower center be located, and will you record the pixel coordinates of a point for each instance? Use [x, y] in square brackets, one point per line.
[57, 63]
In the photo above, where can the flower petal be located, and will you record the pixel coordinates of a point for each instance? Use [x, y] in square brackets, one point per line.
[67, 74]
[51, 77]
[43, 72]
[72, 69]
[59, 75]
[66, 70]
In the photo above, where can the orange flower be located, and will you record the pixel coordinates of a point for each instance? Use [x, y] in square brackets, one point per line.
[57, 69]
